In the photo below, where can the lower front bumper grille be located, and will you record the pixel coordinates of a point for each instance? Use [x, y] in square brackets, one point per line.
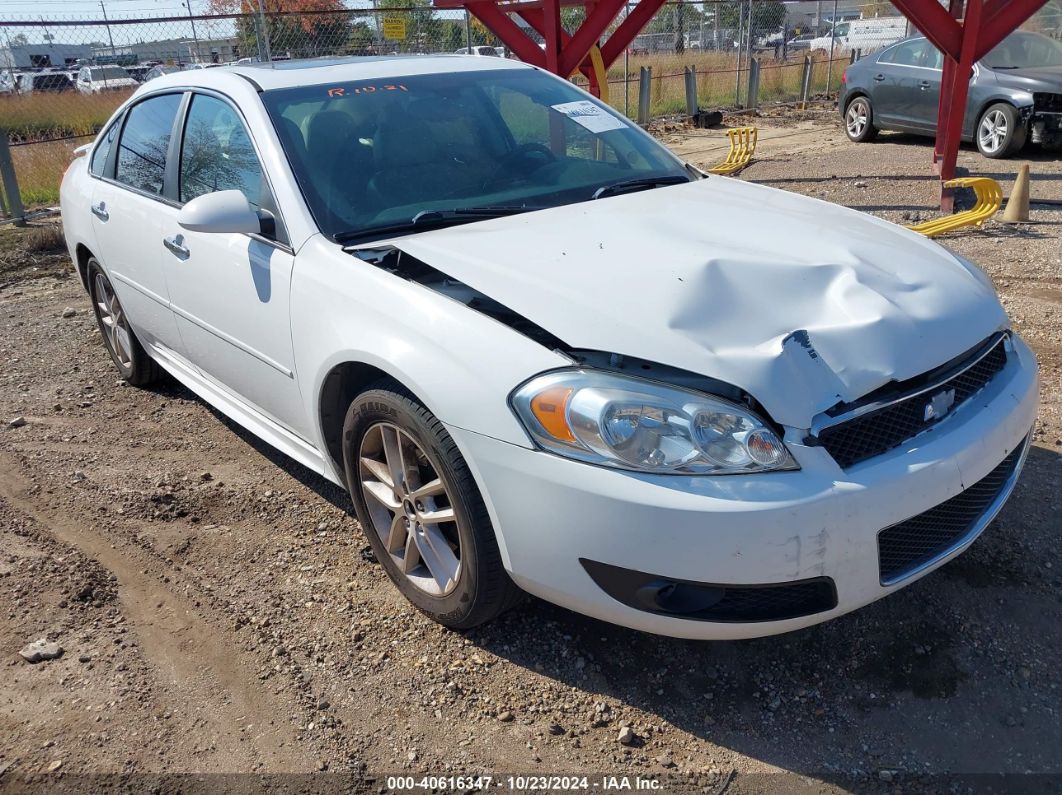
[910, 546]
[700, 601]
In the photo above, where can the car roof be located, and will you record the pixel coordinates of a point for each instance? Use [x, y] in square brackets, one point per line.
[314, 71]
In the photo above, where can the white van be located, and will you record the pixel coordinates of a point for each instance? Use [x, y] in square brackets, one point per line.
[864, 35]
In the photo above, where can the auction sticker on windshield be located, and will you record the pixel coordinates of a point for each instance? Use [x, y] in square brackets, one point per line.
[589, 115]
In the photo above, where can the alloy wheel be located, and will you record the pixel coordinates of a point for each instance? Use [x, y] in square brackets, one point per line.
[856, 118]
[993, 131]
[112, 318]
[410, 509]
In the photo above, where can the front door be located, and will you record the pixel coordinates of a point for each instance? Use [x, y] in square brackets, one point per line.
[229, 292]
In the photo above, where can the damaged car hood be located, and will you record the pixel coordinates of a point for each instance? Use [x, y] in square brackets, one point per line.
[801, 303]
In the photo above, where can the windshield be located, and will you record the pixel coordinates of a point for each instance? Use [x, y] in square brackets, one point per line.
[108, 73]
[1024, 50]
[371, 153]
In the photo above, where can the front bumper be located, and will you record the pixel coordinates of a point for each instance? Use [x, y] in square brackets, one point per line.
[552, 514]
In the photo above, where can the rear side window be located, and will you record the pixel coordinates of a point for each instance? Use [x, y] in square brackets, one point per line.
[103, 148]
[910, 53]
[145, 139]
[217, 154]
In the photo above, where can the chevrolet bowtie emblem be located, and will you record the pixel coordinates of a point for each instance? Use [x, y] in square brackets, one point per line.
[939, 405]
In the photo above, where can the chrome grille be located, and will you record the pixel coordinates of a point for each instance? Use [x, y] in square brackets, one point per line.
[877, 431]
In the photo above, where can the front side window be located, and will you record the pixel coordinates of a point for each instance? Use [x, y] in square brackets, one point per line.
[370, 153]
[145, 139]
[103, 148]
[1025, 50]
[217, 154]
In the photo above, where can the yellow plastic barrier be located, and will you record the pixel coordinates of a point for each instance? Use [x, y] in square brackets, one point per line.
[742, 148]
[989, 200]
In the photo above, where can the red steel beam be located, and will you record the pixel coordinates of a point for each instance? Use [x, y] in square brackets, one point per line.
[596, 23]
[1000, 18]
[622, 36]
[509, 32]
[935, 23]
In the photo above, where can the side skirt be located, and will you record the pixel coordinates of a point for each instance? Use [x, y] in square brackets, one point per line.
[242, 414]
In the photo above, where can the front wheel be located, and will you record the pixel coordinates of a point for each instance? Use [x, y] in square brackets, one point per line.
[859, 121]
[421, 511]
[1000, 132]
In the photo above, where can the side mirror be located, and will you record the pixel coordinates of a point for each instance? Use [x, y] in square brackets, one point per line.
[221, 211]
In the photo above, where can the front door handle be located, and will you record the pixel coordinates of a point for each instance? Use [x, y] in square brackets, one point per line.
[176, 246]
[100, 211]
[878, 78]
[924, 85]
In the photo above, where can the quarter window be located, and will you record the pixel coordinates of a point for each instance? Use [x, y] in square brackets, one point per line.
[103, 148]
[217, 154]
[144, 141]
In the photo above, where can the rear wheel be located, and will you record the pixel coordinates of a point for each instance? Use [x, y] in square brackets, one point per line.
[1000, 132]
[128, 355]
[421, 511]
[859, 120]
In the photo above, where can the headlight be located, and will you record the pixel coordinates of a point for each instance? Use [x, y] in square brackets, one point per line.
[613, 420]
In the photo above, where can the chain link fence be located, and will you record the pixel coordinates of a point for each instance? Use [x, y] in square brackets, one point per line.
[61, 78]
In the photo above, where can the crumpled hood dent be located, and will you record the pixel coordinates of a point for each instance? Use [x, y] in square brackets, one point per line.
[799, 302]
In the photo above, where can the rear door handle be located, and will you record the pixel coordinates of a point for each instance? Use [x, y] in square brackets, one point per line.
[100, 211]
[175, 245]
[924, 85]
[878, 78]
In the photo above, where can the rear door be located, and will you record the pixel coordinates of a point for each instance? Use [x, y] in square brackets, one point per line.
[927, 101]
[126, 207]
[230, 292]
[898, 77]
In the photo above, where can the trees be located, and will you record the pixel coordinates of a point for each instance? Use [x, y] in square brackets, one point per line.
[296, 27]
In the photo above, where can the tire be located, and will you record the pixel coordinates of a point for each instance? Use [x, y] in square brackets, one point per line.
[1000, 132]
[128, 355]
[381, 421]
[859, 120]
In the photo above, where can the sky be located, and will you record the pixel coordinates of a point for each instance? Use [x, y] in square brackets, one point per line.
[21, 9]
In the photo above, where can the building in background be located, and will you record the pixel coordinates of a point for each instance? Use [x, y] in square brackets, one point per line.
[22, 55]
[170, 51]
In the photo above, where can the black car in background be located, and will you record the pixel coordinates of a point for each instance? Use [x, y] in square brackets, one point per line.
[1015, 93]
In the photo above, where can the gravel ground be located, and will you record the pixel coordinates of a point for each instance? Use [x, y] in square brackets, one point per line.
[219, 612]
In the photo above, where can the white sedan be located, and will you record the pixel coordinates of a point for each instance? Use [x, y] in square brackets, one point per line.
[543, 354]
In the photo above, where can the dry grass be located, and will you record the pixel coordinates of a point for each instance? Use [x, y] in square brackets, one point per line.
[40, 169]
[45, 240]
[717, 80]
[52, 115]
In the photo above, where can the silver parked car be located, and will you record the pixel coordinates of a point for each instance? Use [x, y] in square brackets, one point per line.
[1015, 94]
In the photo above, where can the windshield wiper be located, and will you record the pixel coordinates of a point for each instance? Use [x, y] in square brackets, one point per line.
[431, 219]
[638, 184]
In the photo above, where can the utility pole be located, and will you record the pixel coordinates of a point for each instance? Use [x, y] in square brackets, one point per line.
[195, 38]
[265, 53]
[103, 8]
